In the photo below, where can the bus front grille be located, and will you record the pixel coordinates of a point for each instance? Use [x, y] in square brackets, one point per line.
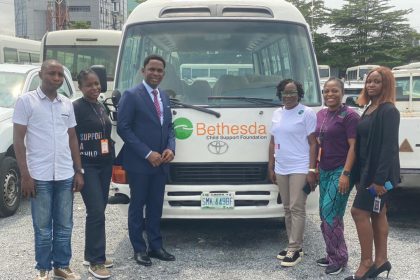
[218, 173]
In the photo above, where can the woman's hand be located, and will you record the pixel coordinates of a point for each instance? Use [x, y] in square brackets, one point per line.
[272, 176]
[343, 184]
[380, 190]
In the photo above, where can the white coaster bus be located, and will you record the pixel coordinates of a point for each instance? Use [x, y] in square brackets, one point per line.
[19, 51]
[222, 131]
[81, 48]
[324, 73]
[408, 102]
[358, 73]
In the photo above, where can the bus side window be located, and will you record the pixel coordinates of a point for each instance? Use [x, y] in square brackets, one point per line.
[10, 55]
[416, 88]
[24, 57]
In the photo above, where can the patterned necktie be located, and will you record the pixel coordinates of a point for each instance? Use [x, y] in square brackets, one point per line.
[156, 102]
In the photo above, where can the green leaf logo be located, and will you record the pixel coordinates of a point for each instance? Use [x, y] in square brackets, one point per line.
[183, 128]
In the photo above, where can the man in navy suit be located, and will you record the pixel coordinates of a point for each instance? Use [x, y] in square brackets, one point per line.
[145, 126]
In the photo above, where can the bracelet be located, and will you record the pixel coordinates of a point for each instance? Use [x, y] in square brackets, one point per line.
[312, 170]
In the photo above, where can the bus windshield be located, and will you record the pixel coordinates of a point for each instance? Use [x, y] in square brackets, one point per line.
[10, 87]
[76, 58]
[244, 59]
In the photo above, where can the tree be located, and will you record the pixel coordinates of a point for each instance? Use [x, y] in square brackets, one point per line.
[317, 16]
[372, 30]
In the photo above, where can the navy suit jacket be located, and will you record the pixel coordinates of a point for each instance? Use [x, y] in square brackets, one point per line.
[139, 127]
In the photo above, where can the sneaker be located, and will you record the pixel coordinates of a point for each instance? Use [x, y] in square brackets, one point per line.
[108, 263]
[291, 259]
[322, 262]
[99, 271]
[333, 269]
[283, 253]
[65, 273]
[42, 275]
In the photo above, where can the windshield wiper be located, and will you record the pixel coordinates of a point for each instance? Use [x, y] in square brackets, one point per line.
[255, 100]
[201, 109]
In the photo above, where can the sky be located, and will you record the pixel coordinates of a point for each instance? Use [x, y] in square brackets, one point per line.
[7, 13]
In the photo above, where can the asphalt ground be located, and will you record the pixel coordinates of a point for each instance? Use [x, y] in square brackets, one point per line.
[217, 249]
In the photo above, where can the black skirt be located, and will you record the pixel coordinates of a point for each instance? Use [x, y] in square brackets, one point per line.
[364, 200]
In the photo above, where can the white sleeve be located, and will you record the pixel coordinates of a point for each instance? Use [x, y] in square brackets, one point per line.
[273, 120]
[20, 114]
[310, 121]
[72, 118]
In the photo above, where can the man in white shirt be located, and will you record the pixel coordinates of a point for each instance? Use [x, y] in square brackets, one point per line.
[48, 156]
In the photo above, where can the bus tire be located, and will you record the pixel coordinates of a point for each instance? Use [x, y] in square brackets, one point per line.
[10, 190]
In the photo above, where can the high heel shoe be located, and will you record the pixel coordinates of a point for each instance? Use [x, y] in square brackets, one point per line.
[385, 267]
[365, 276]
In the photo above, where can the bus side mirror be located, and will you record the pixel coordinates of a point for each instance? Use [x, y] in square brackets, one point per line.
[115, 97]
[101, 72]
[351, 101]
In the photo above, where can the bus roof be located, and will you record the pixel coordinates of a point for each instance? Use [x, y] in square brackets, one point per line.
[83, 37]
[413, 65]
[11, 41]
[406, 72]
[366, 66]
[164, 10]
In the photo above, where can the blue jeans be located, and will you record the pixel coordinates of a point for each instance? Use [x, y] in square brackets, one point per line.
[52, 217]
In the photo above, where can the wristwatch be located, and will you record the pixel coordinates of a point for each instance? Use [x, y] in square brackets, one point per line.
[313, 170]
[346, 173]
[80, 170]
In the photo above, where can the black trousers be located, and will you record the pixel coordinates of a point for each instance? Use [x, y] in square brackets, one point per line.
[95, 196]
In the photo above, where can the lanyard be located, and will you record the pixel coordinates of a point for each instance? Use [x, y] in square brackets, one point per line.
[101, 119]
[325, 124]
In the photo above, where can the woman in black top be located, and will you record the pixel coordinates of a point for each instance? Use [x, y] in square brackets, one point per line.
[377, 167]
[97, 154]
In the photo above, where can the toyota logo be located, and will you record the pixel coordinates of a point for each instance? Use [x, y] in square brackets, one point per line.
[217, 147]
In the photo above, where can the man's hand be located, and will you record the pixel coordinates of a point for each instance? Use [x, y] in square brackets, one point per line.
[155, 159]
[167, 156]
[78, 182]
[28, 186]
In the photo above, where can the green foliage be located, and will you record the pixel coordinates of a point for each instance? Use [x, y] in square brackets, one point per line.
[363, 32]
[80, 25]
[373, 28]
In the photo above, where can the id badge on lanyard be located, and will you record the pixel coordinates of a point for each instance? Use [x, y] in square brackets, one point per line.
[104, 146]
[377, 204]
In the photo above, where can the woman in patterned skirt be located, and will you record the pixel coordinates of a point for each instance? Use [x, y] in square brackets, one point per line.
[336, 137]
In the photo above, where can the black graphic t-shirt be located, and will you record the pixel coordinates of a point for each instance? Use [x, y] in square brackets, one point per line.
[93, 132]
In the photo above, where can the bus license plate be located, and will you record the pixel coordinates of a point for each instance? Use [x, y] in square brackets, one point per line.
[218, 200]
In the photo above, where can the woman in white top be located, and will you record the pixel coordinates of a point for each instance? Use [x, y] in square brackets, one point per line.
[290, 165]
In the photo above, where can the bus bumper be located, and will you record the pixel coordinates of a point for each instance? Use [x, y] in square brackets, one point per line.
[251, 201]
[410, 177]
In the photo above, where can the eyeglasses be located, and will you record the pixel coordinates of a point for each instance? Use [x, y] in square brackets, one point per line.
[291, 93]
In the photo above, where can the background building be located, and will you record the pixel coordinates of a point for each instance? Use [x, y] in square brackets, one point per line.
[35, 17]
